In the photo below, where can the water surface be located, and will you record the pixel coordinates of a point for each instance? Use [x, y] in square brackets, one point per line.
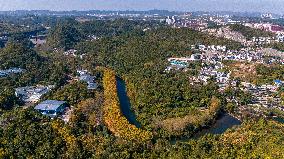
[221, 125]
[125, 105]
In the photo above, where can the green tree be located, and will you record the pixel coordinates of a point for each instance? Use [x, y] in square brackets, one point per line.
[64, 35]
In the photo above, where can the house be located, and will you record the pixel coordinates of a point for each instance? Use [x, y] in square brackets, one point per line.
[92, 86]
[170, 20]
[195, 57]
[32, 94]
[11, 71]
[52, 108]
[280, 37]
[278, 82]
[261, 40]
[15, 70]
[89, 79]
[71, 52]
[3, 74]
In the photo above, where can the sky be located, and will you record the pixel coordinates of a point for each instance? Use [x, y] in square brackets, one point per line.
[273, 6]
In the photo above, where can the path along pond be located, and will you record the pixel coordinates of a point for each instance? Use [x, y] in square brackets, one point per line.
[223, 123]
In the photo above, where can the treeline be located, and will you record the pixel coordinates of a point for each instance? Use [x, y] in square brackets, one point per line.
[251, 140]
[156, 97]
[276, 45]
[113, 116]
[66, 34]
[186, 126]
[38, 68]
[267, 74]
[249, 33]
[28, 134]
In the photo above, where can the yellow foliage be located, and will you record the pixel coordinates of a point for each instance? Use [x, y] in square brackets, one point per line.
[66, 135]
[2, 153]
[113, 117]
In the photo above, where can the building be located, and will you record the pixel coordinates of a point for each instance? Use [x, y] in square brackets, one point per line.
[7, 72]
[15, 70]
[170, 20]
[89, 79]
[278, 82]
[276, 28]
[71, 52]
[3, 74]
[52, 108]
[32, 94]
[262, 40]
[280, 37]
[266, 16]
[38, 40]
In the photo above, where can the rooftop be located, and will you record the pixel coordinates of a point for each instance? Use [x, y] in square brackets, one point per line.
[49, 105]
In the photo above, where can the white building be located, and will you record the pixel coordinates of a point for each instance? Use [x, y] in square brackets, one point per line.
[32, 94]
[280, 37]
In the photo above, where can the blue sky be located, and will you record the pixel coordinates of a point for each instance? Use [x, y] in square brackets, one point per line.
[276, 6]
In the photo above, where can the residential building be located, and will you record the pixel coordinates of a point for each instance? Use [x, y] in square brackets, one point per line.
[7, 72]
[38, 40]
[71, 52]
[278, 82]
[88, 78]
[262, 40]
[52, 108]
[280, 37]
[32, 94]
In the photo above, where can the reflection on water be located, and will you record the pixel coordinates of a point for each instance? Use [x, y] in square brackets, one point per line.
[279, 119]
[224, 123]
[125, 105]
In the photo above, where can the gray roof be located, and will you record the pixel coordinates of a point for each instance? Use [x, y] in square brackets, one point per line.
[49, 105]
[87, 78]
[92, 86]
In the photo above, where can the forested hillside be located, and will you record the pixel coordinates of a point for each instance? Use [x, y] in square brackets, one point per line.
[250, 32]
[50, 140]
[141, 60]
[169, 108]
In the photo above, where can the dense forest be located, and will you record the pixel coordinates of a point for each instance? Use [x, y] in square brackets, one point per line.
[141, 60]
[167, 106]
[277, 46]
[26, 135]
[68, 33]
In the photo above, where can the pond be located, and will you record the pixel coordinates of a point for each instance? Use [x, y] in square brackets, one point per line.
[279, 119]
[222, 124]
[125, 105]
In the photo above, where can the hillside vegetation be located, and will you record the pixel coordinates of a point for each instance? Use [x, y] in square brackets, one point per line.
[113, 116]
[249, 33]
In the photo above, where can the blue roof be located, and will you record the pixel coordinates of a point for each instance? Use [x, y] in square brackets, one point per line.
[278, 81]
[92, 85]
[49, 105]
